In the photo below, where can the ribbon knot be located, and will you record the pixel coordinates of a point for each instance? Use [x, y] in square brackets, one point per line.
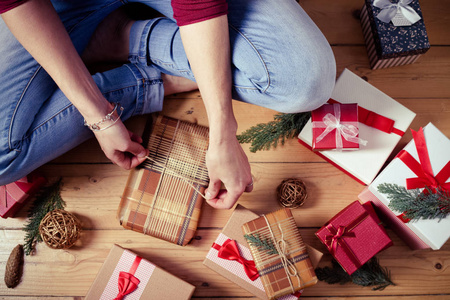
[348, 131]
[230, 251]
[389, 10]
[332, 240]
[127, 281]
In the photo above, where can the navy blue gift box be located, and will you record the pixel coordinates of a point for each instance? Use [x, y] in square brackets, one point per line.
[389, 45]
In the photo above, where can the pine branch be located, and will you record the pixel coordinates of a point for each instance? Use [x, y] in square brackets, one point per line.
[263, 136]
[414, 204]
[261, 244]
[370, 274]
[47, 200]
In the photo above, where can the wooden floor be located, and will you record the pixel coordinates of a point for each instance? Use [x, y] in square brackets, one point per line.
[93, 186]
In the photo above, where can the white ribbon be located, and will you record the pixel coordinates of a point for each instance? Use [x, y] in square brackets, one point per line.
[331, 122]
[389, 10]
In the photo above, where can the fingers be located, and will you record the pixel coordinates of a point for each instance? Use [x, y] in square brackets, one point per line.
[224, 200]
[213, 189]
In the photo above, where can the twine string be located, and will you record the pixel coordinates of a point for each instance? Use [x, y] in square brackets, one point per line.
[280, 245]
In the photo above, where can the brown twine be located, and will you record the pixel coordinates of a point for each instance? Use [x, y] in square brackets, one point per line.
[60, 229]
[291, 193]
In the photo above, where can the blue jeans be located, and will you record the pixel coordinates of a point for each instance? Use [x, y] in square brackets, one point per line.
[280, 60]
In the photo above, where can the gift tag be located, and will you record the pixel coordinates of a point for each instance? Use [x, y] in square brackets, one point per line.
[400, 20]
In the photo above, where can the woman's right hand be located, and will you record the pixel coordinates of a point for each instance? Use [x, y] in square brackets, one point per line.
[121, 146]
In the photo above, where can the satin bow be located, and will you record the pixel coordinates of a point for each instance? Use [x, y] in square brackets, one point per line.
[127, 281]
[389, 10]
[347, 131]
[332, 240]
[230, 251]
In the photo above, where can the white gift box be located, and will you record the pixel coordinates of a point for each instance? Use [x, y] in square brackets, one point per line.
[365, 163]
[433, 232]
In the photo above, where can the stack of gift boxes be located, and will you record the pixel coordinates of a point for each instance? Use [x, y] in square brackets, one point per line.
[356, 131]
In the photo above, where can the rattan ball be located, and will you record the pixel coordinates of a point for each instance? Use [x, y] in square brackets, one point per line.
[60, 229]
[291, 193]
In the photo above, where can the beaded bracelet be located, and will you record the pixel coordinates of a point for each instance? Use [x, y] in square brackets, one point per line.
[108, 117]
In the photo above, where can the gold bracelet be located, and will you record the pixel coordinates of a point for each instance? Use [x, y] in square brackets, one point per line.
[108, 117]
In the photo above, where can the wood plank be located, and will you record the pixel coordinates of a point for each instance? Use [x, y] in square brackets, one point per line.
[72, 271]
[339, 20]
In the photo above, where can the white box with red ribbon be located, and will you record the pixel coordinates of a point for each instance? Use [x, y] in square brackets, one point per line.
[424, 162]
[382, 122]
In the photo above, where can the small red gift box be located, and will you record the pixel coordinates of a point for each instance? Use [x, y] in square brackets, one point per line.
[354, 236]
[335, 126]
[13, 195]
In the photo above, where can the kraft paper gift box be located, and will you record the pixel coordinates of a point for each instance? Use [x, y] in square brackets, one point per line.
[286, 269]
[129, 276]
[163, 196]
[354, 236]
[424, 161]
[13, 196]
[233, 260]
[382, 122]
[335, 126]
[394, 37]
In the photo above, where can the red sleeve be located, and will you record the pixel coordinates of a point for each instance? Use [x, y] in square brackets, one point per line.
[6, 5]
[193, 11]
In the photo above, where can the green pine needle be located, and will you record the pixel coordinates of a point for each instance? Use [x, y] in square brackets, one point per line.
[370, 274]
[47, 200]
[415, 204]
[262, 244]
[263, 136]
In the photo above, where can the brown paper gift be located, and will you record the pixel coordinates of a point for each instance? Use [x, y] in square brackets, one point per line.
[234, 271]
[288, 268]
[149, 282]
[162, 196]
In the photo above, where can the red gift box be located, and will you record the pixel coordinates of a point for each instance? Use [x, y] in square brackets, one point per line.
[13, 195]
[335, 126]
[354, 236]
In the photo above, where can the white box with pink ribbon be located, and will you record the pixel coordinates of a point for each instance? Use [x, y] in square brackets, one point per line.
[382, 123]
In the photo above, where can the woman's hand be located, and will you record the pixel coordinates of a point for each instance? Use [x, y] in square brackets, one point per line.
[121, 146]
[227, 164]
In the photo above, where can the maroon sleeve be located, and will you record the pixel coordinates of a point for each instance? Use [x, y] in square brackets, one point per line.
[6, 5]
[193, 11]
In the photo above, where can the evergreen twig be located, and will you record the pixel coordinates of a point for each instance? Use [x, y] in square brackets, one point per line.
[414, 204]
[47, 200]
[265, 135]
[261, 244]
[370, 274]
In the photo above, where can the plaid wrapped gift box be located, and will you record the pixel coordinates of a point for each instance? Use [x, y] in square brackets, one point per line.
[288, 269]
[389, 45]
[162, 197]
[13, 196]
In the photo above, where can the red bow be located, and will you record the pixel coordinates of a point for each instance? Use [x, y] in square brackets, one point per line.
[127, 282]
[332, 240]
[423, 170]
[230, 251]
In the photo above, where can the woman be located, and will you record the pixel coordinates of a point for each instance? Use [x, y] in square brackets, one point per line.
[279, 59]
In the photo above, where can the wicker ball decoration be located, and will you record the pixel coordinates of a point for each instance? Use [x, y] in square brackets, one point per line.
[60, 229]
[291, 193]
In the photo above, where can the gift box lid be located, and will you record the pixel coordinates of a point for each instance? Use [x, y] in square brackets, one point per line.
[394, 41]
[154, 282]
[365, 163]
[433, 232]
[363, 235]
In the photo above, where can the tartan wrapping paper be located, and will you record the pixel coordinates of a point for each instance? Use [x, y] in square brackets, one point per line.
[13, 195]
[388, 45]
[275, 278]
[348, 117]
[158, 199]
[354, 236]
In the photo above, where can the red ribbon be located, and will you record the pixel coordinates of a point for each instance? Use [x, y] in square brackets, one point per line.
[127, 282]
[337, 238]
[372, 119]
[230, 251]
[423, 170]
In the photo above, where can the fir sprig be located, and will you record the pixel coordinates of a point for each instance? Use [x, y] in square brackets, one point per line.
[370, 274]
[265, 135]
[47, 200]
[261, 243]
[414, 204]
